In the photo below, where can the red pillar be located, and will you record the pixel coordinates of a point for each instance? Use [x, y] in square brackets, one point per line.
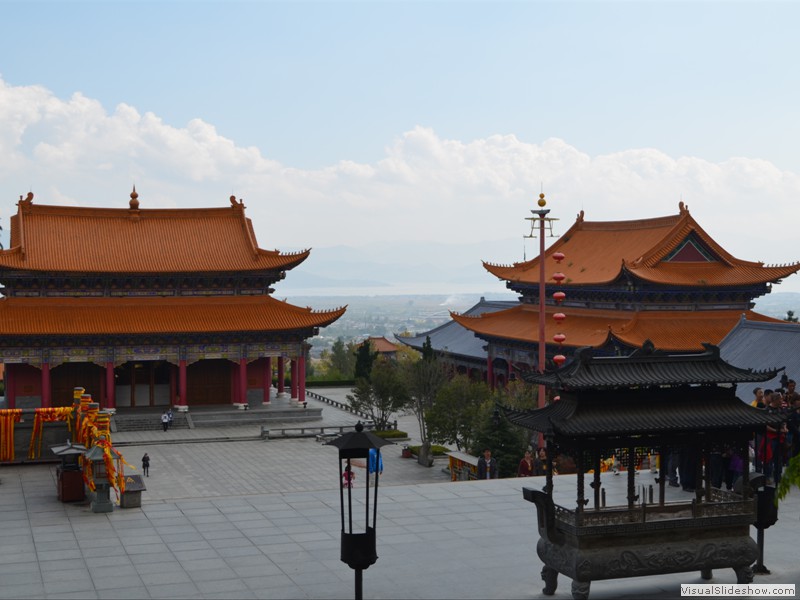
[111, 396]
[182, 399]
[280, 375]
[267, 378]
[173, 386]
[11, 391]
[293, 378]
[46, 392]
[243, 380]
[301, 378]
[234, 381]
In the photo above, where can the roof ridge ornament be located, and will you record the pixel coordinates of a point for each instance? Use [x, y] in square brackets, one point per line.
[134, 203]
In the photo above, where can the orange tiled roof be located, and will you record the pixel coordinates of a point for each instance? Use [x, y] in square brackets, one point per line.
[668, 330]
[597, 252]
[161, 315]
[381, 344]
[106, 240]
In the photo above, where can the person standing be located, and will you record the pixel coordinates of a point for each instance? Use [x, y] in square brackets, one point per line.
[525, 468]
[487, 466]
[375, 462]
[169, 418]
[165, 420]
[146, 465]
[348, 477]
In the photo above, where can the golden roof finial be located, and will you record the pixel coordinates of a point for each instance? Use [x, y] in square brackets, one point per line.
[542, 202]
[134, 199]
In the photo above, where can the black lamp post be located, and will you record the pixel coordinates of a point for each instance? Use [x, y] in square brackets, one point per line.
[358, 549]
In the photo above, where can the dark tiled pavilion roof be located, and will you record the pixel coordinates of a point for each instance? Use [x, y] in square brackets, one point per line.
[760, 345]
[642, 415]
[648, 393]
[645, 367]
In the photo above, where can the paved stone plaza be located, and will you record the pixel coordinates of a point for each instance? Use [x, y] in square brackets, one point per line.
[260, 519]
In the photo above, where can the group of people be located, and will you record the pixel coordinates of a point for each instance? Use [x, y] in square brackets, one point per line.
[777, 445]
[770, 450]
[529, 466]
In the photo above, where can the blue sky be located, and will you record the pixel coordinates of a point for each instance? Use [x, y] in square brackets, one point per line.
[342, 122]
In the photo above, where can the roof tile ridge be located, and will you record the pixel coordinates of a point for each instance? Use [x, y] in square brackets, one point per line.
[683, 228]
[529, 264]
[646, 223]
[23, 206]
[247, 225]
[666, 244]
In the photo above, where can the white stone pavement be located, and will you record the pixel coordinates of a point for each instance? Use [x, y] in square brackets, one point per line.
[260, 519]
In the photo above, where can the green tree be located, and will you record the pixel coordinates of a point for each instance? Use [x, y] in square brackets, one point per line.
[382, 395]
[506, 441]
[365, 359]
[790, 317]
[453, 417]
[424, 378]
[340, 361]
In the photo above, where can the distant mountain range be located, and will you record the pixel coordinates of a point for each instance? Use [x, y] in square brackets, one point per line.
[422, 268]
[398, 268]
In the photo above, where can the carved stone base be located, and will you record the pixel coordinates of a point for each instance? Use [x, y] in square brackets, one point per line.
[550, 577]
[744, 574]
[626, 558]
[580, 590]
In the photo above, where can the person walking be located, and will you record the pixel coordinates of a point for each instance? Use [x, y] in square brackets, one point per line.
[165, 420]
[146, 465]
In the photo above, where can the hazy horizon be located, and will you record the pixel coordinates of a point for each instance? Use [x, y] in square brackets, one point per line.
[351, 123]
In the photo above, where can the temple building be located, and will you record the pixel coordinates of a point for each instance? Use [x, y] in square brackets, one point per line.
[147, 308]
[623, 282]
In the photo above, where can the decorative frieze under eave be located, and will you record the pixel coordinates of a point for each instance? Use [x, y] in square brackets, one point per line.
[118, 355]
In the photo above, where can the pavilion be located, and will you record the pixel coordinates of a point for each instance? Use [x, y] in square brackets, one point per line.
[662, 279]
[147, 308]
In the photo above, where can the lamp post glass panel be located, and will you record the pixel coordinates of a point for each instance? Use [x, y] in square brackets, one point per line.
[358, 548]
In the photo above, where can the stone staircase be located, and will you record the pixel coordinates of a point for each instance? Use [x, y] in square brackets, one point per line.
[221, 416]
[228, 418]
[148, 421]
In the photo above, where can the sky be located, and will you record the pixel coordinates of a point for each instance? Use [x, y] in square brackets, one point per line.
[351, 123]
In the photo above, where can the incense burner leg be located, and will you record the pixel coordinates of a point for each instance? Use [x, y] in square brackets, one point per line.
[550, 578]
[744, 574]
[706, 574]
[580, 589]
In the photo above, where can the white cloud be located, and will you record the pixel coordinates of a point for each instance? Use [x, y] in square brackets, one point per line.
[423, 188]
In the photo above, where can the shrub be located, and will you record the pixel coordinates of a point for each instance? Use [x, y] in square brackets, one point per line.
[389, 434]
[435, 450]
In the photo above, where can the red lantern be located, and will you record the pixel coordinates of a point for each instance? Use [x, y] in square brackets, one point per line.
[559, 338]
[559, 277]
[559, 317]
[559, 297]
[558, 256]
[559, 359]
